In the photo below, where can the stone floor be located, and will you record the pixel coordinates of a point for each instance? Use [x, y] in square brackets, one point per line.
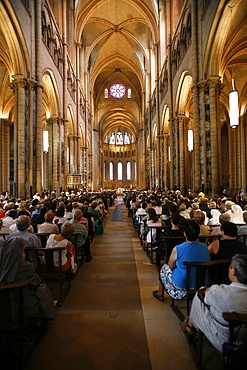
[110, 320]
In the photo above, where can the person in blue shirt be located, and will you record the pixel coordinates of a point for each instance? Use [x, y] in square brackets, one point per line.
[173, 275]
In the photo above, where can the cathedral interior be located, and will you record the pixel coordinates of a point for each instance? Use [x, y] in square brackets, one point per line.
[131, 94]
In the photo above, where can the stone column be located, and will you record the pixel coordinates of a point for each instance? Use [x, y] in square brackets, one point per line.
[54, 153]
[243, 153]
[18, 85]
[182, 134]
[214, 84]
[194, 42]
[5, 154]
[36, 97]
[171, 144]
[166, 173]
[203, 151]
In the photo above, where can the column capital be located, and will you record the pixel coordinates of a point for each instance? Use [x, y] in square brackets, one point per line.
[214, 82]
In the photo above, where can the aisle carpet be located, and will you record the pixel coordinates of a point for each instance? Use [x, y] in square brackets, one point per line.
[117, 214]
[100, 325]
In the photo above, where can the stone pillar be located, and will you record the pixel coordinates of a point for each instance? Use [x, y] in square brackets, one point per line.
[203, 130]
[166, 173]
[194, 42]
[182, 119]
[54, 153]
[171, 144]
[243, 153]
[18, 85]
[214, 84]
[36, 98]
[5, 154]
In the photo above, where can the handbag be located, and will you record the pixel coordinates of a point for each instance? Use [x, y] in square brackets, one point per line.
[234, 355]
[46, 305]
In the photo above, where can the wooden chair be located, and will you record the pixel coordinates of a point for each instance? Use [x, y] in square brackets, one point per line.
[7, 324]
[48, 272]
[43, 238]
[207, 273]
[79, 251]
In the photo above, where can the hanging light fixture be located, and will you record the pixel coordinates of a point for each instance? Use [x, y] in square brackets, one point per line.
[45, 141]
[233, 107]
[190, 140]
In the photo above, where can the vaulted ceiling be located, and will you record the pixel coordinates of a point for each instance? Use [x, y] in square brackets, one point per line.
[117, 37]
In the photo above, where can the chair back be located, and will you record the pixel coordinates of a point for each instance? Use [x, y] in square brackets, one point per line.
[207, 273]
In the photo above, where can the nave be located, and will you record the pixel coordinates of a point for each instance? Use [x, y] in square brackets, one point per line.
[110, 320]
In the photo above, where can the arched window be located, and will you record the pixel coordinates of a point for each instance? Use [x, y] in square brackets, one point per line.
[119, 139]
[120, 171]
[134, 169]
[128, 171]
[126, 138]
[112, 138]
[106, 93]
[111, 171]
[129, 93]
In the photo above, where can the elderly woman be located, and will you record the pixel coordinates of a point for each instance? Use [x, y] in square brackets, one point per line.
[207, 315]
[61, 240]
[38, 300]
[173, 274]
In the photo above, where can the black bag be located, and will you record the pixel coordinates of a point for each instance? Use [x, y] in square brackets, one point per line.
[234, 357]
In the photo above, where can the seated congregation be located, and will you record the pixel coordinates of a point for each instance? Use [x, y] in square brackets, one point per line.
[196, 236]
[42, 246]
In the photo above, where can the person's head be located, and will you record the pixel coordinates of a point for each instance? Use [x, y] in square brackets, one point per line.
[144, 205]
[60, 211]
[239, 264]
[199, 217]
[194, 206]
[77, 214]
[53, 205]
[94, 204]
[191, 230]
[182, 207]
[229, 204]
[212, 204]
[67, 229]
[245, 217]
[43, 210]
[23, 223]
[175, 218]
[229, 229]
[224, 217]
[12, 213]
[152, 214]
[173, 208]
[48, 217]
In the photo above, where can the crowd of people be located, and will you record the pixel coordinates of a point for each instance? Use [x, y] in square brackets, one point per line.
[21, 222]
[194, 216]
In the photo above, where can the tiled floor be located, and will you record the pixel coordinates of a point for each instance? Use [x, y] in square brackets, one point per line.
[110, 320]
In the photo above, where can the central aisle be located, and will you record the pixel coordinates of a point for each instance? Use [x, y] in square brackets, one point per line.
[110, 320]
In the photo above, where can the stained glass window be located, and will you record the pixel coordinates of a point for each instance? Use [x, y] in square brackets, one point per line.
[112, 138]
[106, 93]
[126, 138]
[129, 93]
[119, 139]
[117, 91]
